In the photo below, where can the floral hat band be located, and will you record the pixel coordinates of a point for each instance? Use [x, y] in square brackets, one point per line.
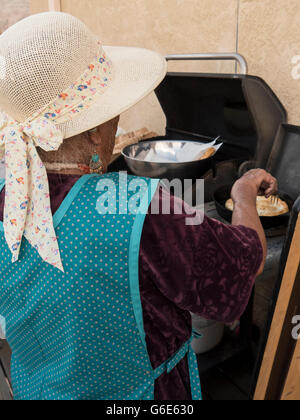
[27, 210]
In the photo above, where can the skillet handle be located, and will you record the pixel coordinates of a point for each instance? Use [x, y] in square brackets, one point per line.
[212, 57]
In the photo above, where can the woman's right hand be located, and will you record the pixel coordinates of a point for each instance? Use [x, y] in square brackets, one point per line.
[253, 183]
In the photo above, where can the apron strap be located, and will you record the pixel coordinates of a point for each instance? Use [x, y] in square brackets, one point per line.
[194, 375]
[2, 184]
[170, 364]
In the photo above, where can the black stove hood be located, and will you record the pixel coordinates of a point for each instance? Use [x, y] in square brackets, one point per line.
[242, 109]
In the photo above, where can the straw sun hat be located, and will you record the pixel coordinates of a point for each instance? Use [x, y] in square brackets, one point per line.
[44, 54]
[56, 81]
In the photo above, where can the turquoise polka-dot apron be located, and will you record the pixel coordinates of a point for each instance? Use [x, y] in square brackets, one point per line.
[79, 335]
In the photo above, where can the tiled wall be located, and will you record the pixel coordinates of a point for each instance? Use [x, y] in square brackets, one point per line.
[266, 32]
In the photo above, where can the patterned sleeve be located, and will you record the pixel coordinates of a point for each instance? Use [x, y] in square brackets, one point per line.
[209, 269]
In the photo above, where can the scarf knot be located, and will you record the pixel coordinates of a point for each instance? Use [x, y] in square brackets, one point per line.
[27, 189]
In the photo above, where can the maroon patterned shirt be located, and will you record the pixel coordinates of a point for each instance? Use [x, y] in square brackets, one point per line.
[208, 269]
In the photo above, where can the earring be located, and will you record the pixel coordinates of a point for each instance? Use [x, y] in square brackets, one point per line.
[96, 164]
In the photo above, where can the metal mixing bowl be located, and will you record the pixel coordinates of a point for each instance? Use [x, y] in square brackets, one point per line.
[162, 163]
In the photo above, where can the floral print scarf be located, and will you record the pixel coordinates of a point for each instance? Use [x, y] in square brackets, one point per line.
[27, 209]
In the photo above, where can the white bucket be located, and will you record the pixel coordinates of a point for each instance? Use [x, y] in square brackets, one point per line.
[211, 332]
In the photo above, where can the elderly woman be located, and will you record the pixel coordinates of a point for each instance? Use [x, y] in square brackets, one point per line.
[97, 303]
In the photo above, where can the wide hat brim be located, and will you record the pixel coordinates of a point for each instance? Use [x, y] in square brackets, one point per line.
[137, 72]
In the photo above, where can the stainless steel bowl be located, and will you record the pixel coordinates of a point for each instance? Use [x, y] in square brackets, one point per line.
[157, 159]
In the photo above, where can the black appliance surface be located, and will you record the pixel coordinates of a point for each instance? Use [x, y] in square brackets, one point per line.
[243, 110]
[284, 162]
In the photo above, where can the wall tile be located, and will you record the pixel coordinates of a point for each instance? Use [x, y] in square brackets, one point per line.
[269, 37]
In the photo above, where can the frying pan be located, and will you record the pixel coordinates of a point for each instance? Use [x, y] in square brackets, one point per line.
[223, 194]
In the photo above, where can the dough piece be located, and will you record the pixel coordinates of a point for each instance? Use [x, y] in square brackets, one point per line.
[265, 207]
